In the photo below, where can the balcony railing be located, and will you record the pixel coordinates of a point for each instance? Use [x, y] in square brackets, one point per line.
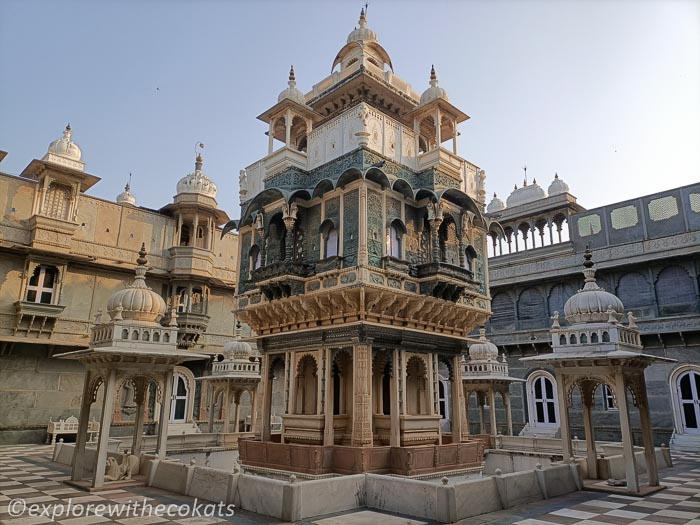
[282, 268]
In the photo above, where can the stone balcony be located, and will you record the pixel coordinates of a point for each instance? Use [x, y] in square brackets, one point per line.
[36, 318]
[442, 160]
[283, 158]
[190, 260]
[443, 280]
[282, 279]
[50, 234]
[190, 327]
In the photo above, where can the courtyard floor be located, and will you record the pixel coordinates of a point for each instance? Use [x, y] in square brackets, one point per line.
[27, 473]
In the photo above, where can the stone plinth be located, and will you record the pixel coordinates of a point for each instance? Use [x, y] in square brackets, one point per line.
[403, 461]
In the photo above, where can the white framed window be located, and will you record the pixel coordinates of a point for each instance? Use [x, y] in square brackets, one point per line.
[42, 285]
[609, 402]
[542, 400]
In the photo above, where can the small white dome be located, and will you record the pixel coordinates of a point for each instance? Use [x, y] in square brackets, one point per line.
[362, 33]
[525, 194]
[591, 304]
[557, 186]
[292, 92]
[65, 147]
[126, 197]
[137, 301]
[197, 182]
[495, 205]
[484, 350]
[237, 349]
[434, 92]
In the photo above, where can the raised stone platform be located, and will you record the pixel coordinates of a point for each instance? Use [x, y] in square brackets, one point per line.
[318, 460]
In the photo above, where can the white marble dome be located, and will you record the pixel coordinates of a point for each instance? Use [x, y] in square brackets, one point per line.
[137, 301]
[525, 194]
[484, 350]
[557, 186]
[197, 182]
[237, 349]
[495, 205]
[362, 33]
[591, 304]
[65, 147]
[434, 92]
[292, 92]
[126, 197]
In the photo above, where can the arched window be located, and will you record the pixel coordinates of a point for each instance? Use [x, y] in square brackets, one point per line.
[685, 396]
[584, 339]
[542, 399]
[185, 235]
[594, 337]
[125, 334]
[394, 242]
[606, 337]
[416, 387]
[42, 285]
[572, 339]
[329, 234]
[470, 259]
[135, 335]
[532, 312]
[562, 339]
[255, 258]
[675, 291]
[156, 337]
[306, 388]
[145, 336]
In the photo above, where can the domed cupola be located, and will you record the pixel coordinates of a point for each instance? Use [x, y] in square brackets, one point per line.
[197, 182]
[484, 350]
[126, 197]
[65, 147]
[525, 194]
[362, 33]
[557, 186]
[237, 349]
[495, 205]
[137, 301]
[292, 93]
[434, 92]
[592, 304]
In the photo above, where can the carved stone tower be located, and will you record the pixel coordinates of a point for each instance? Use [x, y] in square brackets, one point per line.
[362, 267]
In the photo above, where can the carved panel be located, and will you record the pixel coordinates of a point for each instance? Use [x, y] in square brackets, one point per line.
[350, 227]
[375, 231]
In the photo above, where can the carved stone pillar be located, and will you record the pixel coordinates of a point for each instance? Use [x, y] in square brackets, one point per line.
[458, 412]
[587, 392]
[647, 438]
[362, 249]
[110, 386]
[394, 399]
[627, 443]
[81, 438]
[435, 238]
[289, 238]
[266, 385]
[362, 395]
[141, 388]
[328, 435]
[563, 416]
[164, 419]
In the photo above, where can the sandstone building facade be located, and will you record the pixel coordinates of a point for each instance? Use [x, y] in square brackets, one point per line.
[63, 253]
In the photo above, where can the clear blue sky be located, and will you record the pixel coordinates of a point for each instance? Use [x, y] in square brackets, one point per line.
[606, 93]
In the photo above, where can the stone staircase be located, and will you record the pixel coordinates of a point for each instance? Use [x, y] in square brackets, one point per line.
[178, 429]
[530, 431]
[685, 443]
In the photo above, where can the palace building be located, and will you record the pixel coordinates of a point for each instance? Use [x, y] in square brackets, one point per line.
[63, 253]
[647, 252]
